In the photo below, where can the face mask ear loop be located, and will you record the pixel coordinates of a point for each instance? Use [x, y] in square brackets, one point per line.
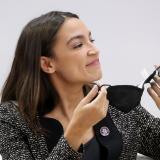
[148, 80]
[99, 86]
[108, 85]
[158, 71]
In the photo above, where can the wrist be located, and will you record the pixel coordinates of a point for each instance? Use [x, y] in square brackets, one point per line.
[73, 135]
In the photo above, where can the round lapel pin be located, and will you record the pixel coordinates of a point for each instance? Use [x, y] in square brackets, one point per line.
[104, 131]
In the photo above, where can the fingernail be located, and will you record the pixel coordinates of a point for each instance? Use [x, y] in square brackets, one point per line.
[104, 89]
[95, 87]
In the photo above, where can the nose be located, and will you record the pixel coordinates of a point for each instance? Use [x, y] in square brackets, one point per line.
[93, 51]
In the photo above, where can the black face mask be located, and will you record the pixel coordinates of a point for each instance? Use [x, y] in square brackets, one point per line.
[127, 97]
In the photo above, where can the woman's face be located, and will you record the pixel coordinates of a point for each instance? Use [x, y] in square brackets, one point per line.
[76, 57]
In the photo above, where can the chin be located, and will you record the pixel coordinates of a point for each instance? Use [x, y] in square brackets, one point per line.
[95, 77]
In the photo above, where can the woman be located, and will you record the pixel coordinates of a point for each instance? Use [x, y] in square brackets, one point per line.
[51, 110]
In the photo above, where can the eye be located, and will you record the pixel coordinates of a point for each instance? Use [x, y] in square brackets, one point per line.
[81, 44]
[92, 40]
[78, 46]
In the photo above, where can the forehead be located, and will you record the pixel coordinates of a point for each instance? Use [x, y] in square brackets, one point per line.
[71, 27]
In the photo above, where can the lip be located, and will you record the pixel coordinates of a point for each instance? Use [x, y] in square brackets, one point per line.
[94, 62]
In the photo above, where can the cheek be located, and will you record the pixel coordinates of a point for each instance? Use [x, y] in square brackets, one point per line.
[72, 68]
[78, 72]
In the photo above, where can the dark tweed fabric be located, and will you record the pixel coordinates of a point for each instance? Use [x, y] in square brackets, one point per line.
[140, 133]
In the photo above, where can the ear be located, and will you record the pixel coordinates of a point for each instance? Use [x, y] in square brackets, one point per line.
[47, 64]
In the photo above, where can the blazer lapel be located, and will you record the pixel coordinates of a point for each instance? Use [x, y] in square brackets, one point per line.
[109, 137]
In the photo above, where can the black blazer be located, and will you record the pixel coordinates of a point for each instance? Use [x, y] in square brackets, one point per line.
[138, 130]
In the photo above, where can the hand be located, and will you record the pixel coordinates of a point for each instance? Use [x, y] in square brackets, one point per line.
[86, 115]
[154, 90]
[91, 111]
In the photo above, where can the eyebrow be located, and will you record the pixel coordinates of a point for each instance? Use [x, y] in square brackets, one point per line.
[80, 36]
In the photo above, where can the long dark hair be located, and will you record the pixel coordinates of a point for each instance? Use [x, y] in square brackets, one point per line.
[27, 83]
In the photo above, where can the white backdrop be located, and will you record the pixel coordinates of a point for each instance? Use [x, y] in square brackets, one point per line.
[127, 32]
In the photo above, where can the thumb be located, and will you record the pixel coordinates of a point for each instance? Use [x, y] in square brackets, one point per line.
[92, 93]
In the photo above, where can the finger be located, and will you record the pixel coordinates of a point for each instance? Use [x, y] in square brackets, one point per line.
[106, 102]
[101, 96]
[156, 88]
[157, 79]
[92, 93]
[158, 68]
[102, 93]
[155, 97]
[106, 106]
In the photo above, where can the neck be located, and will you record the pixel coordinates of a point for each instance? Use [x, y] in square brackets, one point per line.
[70, 95]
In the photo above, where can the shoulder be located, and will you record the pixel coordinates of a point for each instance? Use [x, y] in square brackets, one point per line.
[9, 113]
[139, 114]
[8, 105]
[8, 108]
[144, 118]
